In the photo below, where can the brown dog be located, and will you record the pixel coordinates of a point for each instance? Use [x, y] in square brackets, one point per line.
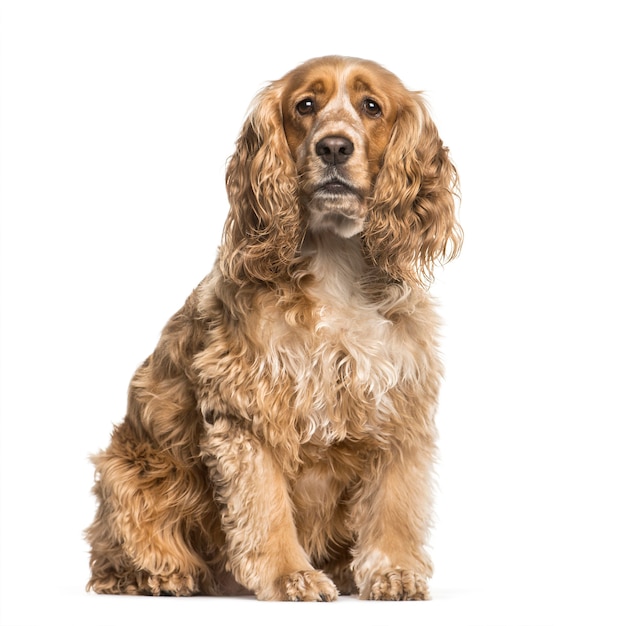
[280, 437]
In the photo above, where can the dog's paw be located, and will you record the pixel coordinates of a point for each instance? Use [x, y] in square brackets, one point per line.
[397, 584]
[306, 586]
[173, 585]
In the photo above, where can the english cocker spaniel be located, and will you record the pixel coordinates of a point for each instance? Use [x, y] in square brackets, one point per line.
[280, 438]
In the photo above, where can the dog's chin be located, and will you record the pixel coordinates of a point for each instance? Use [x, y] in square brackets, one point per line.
[340, 214]
[335, 223]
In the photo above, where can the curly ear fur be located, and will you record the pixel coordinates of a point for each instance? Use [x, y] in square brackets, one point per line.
[263, 229]
[411, 222]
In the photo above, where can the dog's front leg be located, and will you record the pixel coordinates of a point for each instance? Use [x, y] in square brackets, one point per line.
[391, 516]
[262, 546]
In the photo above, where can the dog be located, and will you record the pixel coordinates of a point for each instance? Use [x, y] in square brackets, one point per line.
[280, 438]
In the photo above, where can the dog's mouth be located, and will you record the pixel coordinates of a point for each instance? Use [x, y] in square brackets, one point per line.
[336, 187]
[336, 206]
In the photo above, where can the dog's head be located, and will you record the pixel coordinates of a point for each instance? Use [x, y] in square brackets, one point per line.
[339, 145]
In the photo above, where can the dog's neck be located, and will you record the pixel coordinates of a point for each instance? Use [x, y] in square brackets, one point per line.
[335, 262]
[342, 274]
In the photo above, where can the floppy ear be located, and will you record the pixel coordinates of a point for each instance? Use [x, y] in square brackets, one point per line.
[412, 223]
[262, 232]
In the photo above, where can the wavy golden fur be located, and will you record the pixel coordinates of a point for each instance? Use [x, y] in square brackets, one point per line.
[280, 437]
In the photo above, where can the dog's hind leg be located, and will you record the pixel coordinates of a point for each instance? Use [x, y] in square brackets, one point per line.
[143, 539]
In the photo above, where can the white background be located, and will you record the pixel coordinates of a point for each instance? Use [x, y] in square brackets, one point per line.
[117, 119]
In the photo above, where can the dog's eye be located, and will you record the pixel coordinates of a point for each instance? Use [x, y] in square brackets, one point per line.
[306, 106]
[371, 108]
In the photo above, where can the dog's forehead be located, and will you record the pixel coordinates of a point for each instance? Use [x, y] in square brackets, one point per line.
[320, 80]
[331, 75]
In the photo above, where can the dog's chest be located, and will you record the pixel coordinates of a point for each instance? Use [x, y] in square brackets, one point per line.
[345, 366]
[353, 339]
[350, 335]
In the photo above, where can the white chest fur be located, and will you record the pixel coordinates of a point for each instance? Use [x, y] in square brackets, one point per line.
[349, 323]
[353, 356]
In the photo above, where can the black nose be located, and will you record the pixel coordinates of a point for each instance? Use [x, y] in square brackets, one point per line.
[334, 150]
